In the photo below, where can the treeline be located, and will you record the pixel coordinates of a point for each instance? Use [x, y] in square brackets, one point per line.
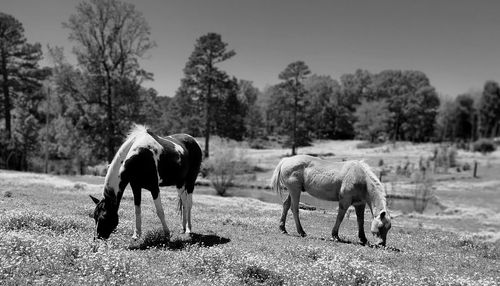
[80, 113]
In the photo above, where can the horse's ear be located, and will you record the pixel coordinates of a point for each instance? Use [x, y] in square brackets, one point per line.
[382, 214]
[96, 200]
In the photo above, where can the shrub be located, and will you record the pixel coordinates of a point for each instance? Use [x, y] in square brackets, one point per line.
[223, 165]
[445, 157]
[367, 145]
[259, 144]
[484, 146]
[466, 166]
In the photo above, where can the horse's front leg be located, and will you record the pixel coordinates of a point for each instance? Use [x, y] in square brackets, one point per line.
[286, 207]
[360, 214]
[295, 199]
[160, 213]
[340, 216]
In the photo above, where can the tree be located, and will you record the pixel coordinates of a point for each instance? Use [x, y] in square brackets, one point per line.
[419, 114]
[203, 81]
[230, 113]
[372, 120]
[412, 101]
[445, 120]
[254, 121]
[356, 86]
[111, 37]
[328, 110]
[464, 117]
[184, 114]
[489, 110]
[293, 77]
[19, 68]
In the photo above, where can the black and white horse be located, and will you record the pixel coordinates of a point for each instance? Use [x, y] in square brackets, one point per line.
[148, 161]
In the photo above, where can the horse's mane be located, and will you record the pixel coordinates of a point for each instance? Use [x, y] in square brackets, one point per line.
[112, 176]
[376, 191]
[136, 130]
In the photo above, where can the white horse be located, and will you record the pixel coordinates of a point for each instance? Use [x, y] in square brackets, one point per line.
[349, 183]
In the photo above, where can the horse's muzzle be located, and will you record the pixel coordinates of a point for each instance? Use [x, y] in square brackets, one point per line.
[379, 241]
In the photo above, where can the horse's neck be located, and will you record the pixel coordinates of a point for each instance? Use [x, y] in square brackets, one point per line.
[378, 201]
[112, 180]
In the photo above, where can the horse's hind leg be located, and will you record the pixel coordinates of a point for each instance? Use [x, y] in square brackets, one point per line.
[286, 207]
[360, 214]
[186, 216]
[186, 204]
[136, 190]
[340, 216]
[188, 213]
[295, 199]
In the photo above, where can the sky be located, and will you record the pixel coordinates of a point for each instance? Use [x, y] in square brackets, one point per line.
[455, 42]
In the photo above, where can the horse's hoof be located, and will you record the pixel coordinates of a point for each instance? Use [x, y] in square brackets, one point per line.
[303, 234]
[335, 239]
[166, 234]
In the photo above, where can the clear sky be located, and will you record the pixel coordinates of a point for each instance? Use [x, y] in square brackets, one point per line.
[455, 42]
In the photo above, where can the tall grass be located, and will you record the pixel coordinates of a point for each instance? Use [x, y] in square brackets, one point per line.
[423, 190]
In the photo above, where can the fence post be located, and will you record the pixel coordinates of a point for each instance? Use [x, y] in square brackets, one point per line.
[475, 169]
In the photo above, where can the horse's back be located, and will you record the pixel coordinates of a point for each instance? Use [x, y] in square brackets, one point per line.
[180, 167]
[324, 179]
[174, 160]
[191, 146]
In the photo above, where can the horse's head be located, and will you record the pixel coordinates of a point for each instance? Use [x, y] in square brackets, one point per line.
[380, 227]
[105, 216]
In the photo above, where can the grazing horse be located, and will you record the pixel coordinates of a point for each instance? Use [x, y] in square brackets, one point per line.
[349, 183]
[148, 161]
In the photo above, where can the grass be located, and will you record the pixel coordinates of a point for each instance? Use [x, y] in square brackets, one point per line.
[46, 237]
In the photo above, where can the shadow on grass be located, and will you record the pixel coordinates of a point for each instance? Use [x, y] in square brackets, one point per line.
[158, 240]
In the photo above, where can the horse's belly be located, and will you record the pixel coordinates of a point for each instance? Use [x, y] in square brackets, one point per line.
[327, 192]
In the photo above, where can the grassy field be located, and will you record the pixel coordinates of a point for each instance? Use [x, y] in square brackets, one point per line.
[46, 237]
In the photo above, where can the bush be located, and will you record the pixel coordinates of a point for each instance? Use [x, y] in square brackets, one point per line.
[445, 157]
[367, 145]
[223, 165]
[484, 146]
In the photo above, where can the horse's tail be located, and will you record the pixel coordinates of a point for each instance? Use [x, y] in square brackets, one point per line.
[276, 181]
[112, 175]
[374, 185]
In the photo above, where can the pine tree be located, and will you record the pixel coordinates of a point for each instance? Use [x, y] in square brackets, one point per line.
[293, 77]
[203, 80]
[19, 70]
